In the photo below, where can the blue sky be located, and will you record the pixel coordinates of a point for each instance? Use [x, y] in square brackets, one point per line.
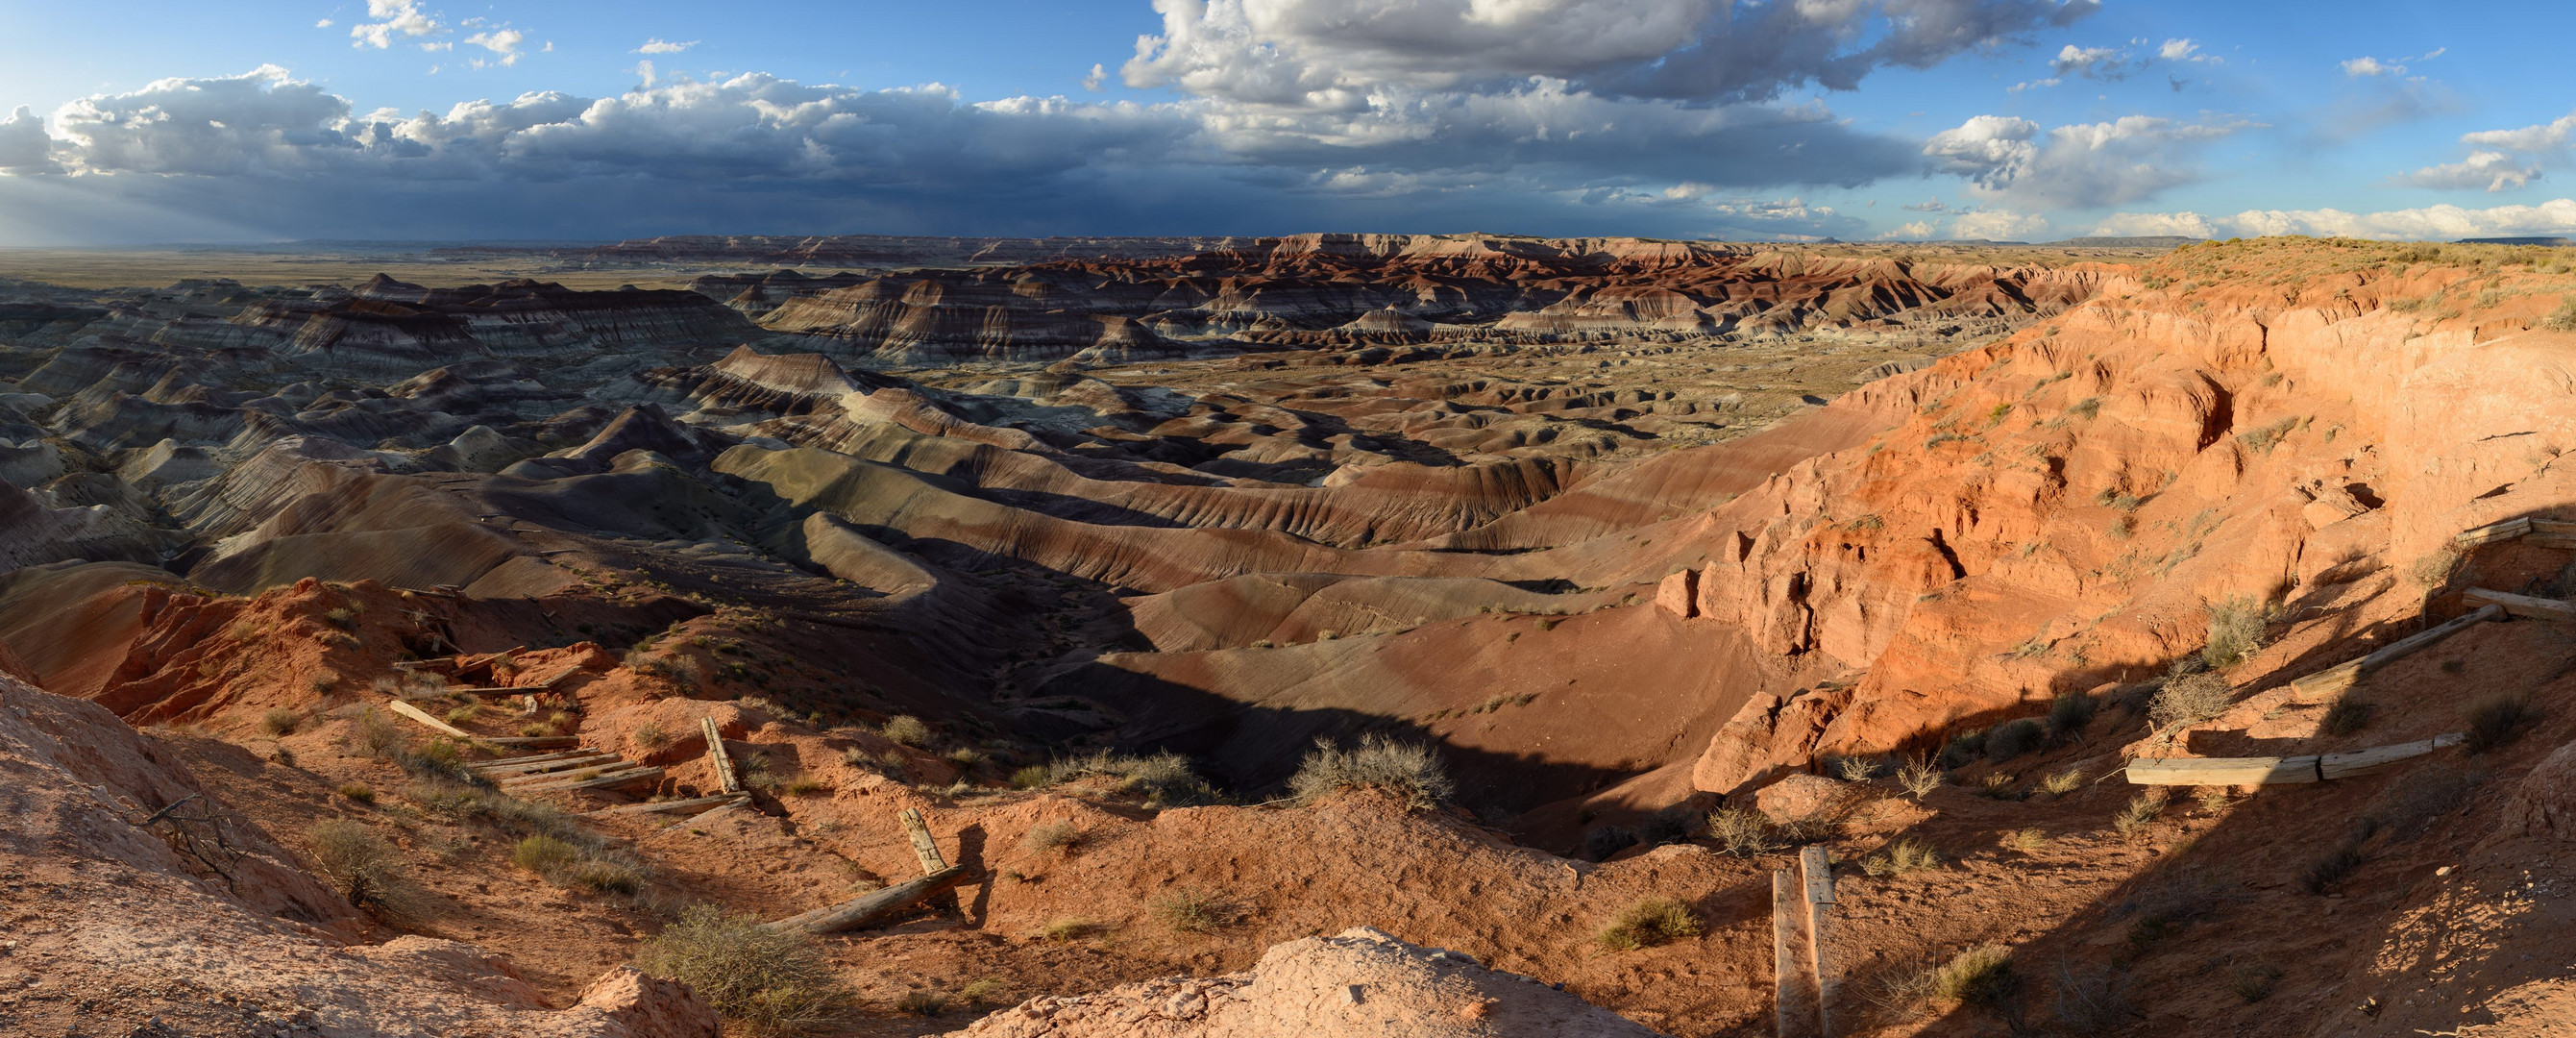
[1857, 119]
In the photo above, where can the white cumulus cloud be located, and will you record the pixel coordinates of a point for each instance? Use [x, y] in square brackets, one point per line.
[2487, 170]
[393, 18]
[503, 43]
[2081, 166]
[658, 45]
[2430, 223]
[1998, 225]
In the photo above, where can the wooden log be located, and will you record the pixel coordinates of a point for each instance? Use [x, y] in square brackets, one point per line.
[1784, 900]
[2560, 541]
[923, 847]
[659, 806]
[739, 801]
[422, 716]
[725, 777]
[569, 762]
[867, 908]
[533, 759]
[2493, 532]
[587, 769]
[2324, 684]
[1819, 875]
[2553, 528]
[535, 742]
[2222, 771]
[623, 778]
[2363, 762]
[2524, 606]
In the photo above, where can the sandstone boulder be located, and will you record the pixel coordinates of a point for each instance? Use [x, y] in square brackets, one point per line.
[2545, 805]
[1797, 795]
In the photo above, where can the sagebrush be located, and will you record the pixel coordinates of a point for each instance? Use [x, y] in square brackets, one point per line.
[766, 984]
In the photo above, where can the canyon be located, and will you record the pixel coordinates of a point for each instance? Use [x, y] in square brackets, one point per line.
[1079, 549]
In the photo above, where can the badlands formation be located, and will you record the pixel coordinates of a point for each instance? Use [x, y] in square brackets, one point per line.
[361, 643]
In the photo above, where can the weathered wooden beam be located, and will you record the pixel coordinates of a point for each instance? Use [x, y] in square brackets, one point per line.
[725, 777]
[1818, 872]
[2222, 771]
[422, 716]
[2363, 762]
[535, 742]
[569, 762]
[923, 847]
[2560, 541]
[2324, 684]
[867, 908]
[736, 803]
[2493, 532]
[2524, 606]
[622, 778]
[2553, 527]
[586, 769]
[1784, 901]
[659, 806]
[499, 762]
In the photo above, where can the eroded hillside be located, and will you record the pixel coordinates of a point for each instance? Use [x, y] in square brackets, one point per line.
[1624, 530]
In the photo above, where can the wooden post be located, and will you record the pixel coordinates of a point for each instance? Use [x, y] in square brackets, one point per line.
[861, 910]
[923, 847]
[659, 806]
[1820, 898]
[2222, 771]
[435, 725]
[716, 753]
[2524, 606]
[1783, 901]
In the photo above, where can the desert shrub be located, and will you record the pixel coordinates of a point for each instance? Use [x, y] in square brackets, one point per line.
[2069, 713]
[2235, 631]
[361, 866]
[803, 786]
[2085, 408]
[1743, 832]
[920, 1003]
[2435, 570]
[1998, 787]
[2407, 809]
[2190, 699]
[601, 876]
[1649, 922]
[2349, 714]
[966, 756]
[1190, 910]
[1052, 837]
[1856, 769]
[343, 618]
[1903, 856]
[766, 983]
[1919, 777]
[2254, 981]
[2094, 1001]
[2262, 440]
[2141, 811]
[1964, 748]
[1670, 825]
[1164, 778]
[2495, 721]
[906, 730]
[2562, 319]
[1068, 928]
[2025, 840]
[1979, 976]
[1602, 841]
[465, 713]
[1410, 771]
[2013, 738]
[359, 791]
[380, 736]
[543, 854]
[979, 992]
[1035, 776]
[280, 721]
[2058, 784]
[2331, 868]
[651, 736]
[2213, 799]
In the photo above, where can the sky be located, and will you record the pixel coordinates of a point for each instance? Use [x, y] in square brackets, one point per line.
[268, 120]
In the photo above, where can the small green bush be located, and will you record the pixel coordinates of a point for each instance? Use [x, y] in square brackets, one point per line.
[1189, 910]
[1164, 778]
[544, 854]
[1979, 976]
[768, 984]
[1903, 856]
[2013, 738]
[363, 867]
[359, 791]
[2069, 713]
[2235, 631]
[1650, 922]
[906, 730]
[1035, 776]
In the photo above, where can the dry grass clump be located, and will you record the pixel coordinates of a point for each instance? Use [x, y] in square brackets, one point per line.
[1903, 856]
[1649, 922]
[2025, 840]
[2254, 981]
[2347, 715]
[1164, 778]
[1979, 976]
[2435, 570]
[1919, 777]
[766, 984]
[2235, 631]
[921, 1003]
[2190, 699]
[359, 791]
[1068, 928]
[2058, 784]
[1856, 769]
[1410, 771]
[906, 730]
[2497, 720]
[1052, 837]
[2141, 811]
[280, 721]
[1743, 832]
[1190, 910]
[979, 992]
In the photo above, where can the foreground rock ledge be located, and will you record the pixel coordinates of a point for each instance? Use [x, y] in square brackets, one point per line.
[1360, 984]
